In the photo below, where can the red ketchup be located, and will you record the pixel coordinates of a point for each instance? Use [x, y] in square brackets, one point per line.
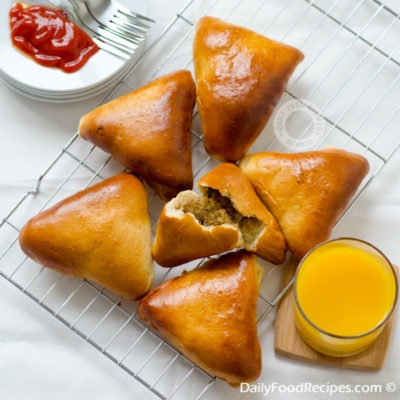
[49, 37]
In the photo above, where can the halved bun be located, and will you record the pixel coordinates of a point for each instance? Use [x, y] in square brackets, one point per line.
[191, 227]
[225, 216]
[260, 230]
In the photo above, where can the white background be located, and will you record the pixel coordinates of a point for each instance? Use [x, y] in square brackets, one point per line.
[42, 359]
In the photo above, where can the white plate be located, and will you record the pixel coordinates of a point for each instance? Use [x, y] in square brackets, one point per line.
[31, 77]
[47, 99]
[65, 95]
[61, 99]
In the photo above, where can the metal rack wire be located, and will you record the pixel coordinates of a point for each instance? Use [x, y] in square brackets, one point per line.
[347, 42]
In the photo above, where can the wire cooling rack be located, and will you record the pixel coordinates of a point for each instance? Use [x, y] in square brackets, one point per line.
[349, 81]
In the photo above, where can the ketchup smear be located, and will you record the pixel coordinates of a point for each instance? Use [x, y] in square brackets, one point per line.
[49, 37]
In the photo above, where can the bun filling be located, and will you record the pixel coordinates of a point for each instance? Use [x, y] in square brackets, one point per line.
[211, 208]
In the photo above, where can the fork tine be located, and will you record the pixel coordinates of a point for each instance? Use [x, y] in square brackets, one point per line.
[111, 49]
[130, 14]
[131, 17]
[127, 24]
[133, 21]
[125, 35]
[125, 32]
[117, 45]
[116, 36]
[115, 41]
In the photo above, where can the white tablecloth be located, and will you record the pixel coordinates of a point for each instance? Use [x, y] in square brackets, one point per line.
[42, 359]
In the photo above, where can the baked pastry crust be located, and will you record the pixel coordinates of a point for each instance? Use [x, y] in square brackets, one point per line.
[148, 131]
[227, 215]
[232, 183]
[306, 192]
[101, 233]
[240, 76]
[181, 237]
[209, 314]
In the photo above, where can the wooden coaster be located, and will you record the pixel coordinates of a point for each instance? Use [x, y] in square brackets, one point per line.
[288, 342]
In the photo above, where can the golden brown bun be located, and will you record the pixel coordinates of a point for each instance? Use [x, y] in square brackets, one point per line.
[209, 315]
[148, 131]
[181, 237]
[240, 78]
[101, 233]
[306, 192]
[260, 230]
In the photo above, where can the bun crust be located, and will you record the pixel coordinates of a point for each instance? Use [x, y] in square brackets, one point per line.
[306, 192]
[101, 233]
[181, 237]
[240, 76]
[261, 232]
[209, 314]
[148, 131]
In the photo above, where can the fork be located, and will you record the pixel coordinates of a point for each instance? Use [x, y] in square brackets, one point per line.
[127, 41]
[116, 43]
[114, 17]
[113, 14]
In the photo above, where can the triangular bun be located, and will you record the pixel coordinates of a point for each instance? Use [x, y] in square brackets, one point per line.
[240, 77]
[101, 233]
[306, 192]
[209, 314]
[148, 131]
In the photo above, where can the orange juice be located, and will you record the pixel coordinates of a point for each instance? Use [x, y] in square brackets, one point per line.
[345, 290]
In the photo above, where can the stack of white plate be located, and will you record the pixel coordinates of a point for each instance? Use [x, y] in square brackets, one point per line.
[21, 73]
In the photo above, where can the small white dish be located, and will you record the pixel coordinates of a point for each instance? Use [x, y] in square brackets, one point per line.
[23, 74]
[114, 79]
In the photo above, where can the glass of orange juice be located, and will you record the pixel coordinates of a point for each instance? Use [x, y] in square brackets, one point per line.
[345, 291]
